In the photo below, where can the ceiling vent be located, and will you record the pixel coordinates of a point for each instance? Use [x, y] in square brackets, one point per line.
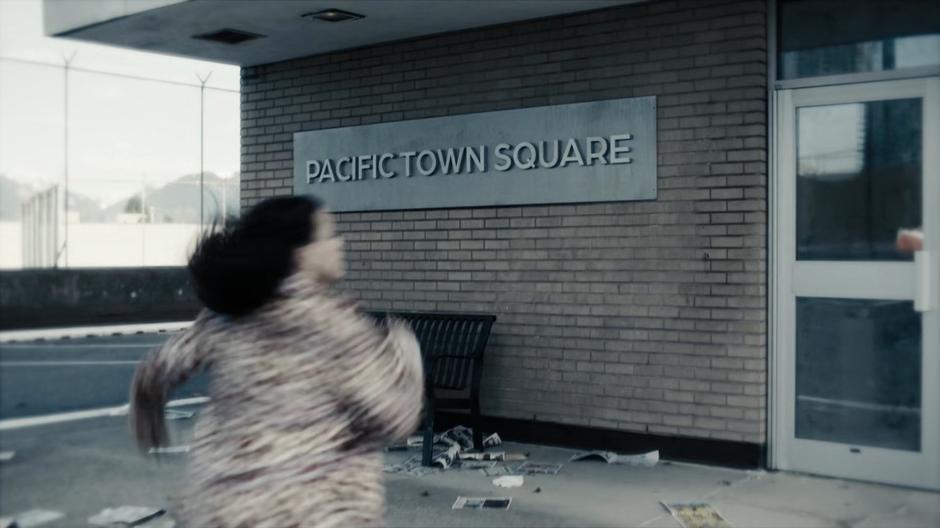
[229, 36]
[333, 15]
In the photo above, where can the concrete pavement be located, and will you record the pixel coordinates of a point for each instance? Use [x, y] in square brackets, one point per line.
[79, 468]
[42, 377]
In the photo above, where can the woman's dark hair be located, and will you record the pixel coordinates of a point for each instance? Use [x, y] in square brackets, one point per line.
[238, 269]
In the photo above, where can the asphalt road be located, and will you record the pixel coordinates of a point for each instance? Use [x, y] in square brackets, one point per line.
[62, 375]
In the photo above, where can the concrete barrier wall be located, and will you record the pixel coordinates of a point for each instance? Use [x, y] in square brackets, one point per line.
[51, 298]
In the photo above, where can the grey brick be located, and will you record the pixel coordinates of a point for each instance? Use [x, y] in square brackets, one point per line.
[609, 315]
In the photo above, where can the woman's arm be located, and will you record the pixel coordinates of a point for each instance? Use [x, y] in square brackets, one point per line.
[383, 386]
[158, 374]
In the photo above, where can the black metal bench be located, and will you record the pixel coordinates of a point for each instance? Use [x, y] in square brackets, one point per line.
[452, 347]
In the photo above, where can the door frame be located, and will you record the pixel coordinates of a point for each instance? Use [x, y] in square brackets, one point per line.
[925, 471]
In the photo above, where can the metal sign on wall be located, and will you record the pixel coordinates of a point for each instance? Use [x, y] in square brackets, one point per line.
[601, 151]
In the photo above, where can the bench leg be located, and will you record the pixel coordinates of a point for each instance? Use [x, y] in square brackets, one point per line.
[475, 422]
[427, 449]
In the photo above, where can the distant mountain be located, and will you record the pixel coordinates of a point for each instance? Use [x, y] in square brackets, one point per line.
[13, 193]
[88, 209]
[178, 201]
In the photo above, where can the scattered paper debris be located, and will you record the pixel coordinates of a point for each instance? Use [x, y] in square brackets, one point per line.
[477, 464]
[644, 459]
[125, 515]
[173, 414]
[496, 471]
[6, 456]
[460, 435]
[492, 441]
[537, 468]
[451, 448]
[31, 518]
[445, 456]
[418, 440]
[483, 457]
[509, 481]
[412, 467]
[169, 450]
[696, 515]
[482, 503]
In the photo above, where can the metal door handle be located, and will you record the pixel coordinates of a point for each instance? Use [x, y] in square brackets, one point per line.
[926, 285]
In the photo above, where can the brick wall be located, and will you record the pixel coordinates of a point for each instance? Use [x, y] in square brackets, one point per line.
[639, 316]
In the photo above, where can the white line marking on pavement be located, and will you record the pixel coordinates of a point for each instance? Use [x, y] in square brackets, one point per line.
[5, 364]
[32, 421]
[85, 331]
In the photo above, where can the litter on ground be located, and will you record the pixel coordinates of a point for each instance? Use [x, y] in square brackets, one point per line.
[482, 503]
[509, 481]
[483, 457]
[696, 515]
[537, 468]
[492, 441]
[649, 459]
[411, 467]
[445, 456]
[125, 515]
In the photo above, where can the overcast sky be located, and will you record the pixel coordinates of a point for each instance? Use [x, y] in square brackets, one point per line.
[121, 131]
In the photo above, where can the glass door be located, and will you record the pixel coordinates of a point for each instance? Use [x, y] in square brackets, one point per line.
[857, 272]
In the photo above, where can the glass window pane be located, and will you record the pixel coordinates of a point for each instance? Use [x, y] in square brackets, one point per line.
[858, 179]
[834, 37]
[131, 125]
[222, 154]
[134, 164]
[858, 372]
[31, 164]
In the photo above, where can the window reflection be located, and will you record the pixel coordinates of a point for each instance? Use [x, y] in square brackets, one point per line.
[834, 37]
[858, 179]
[858, 372]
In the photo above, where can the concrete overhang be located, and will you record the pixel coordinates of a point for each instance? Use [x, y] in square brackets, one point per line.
[170, 26]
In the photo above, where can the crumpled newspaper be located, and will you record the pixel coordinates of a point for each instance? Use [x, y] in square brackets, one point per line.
[649, 459]
[509, 481]
[126, 516]
[696, 515]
